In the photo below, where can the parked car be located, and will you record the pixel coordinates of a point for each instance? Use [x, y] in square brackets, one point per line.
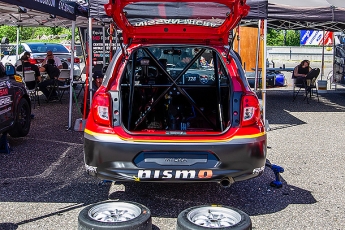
[339, 64]
[155, 119]
[38, 53]
[15, 105]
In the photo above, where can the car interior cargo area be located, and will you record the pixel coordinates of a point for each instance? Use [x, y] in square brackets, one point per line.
[175, 89]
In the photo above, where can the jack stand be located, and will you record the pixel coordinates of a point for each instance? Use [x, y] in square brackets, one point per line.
[4, 145]
[104, 182]
[276, 169]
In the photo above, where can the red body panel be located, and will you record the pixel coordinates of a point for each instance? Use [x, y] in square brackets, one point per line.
[171, 33]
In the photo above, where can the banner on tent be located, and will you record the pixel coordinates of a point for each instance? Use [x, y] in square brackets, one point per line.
[54, 7]
[316, 38]
[97, 46]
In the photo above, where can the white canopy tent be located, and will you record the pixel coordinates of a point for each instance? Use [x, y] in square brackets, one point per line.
[31, 13]
[279, 14]
[296, 15]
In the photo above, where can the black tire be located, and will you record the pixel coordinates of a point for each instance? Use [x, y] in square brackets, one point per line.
[232, 218]
[22, 121]
[92, 216]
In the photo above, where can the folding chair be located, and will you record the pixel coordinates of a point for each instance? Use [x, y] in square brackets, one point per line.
[31, 84]
[78, 80]
[311, 83]
[307, 83]
[65, 77]
[298, 84]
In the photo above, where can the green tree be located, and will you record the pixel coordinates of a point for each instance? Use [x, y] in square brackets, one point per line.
[8, 31]
[32, 33]
[26, 33]
[274, 37]
[283, 37]
[292, 38]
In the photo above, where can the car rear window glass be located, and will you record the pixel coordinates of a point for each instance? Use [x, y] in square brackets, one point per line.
[184, 13]
[43, 48]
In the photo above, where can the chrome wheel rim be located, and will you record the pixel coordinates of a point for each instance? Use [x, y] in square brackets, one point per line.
[214, 217]
[114, 212]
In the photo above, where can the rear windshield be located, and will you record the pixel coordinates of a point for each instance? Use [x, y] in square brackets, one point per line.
[186, 13]
[44, 47]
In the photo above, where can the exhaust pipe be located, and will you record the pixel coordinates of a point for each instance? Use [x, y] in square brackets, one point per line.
[226, 182]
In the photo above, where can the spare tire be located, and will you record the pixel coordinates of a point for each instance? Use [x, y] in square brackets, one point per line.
[120, 215]
[213, 217]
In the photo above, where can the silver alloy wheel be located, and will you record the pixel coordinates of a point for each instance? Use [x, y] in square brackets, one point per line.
[114, 212]
[214, 217]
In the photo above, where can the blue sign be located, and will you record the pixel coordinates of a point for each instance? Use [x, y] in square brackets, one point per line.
[315, 37]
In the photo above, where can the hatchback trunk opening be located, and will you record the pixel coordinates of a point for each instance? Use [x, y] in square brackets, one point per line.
[175, 89]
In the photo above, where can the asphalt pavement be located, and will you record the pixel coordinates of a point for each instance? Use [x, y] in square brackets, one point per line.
[43, 184]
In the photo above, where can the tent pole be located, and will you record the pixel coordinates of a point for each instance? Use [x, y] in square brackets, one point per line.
[263, 73]
[323, 54]
[257, 58]
[333, 61]
[71, 77]
[103, 31]
[238, 40]
[17, 43]
[90, 60]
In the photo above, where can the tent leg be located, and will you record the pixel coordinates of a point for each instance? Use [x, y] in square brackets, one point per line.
[71, 78]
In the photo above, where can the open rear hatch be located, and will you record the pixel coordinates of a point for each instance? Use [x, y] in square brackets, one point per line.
[159, 97]
[182, 21]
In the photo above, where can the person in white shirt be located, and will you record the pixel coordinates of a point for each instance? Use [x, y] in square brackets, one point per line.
[50, 55]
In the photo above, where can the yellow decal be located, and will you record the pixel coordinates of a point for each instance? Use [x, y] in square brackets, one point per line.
[18, 78]
[136, 178]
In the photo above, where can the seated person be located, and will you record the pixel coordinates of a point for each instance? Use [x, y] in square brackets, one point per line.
[57, 60]
[53, 73]
[27, 66]
[97, 81]
[302, 69]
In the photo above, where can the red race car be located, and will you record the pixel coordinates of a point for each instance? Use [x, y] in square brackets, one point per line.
[175, 105]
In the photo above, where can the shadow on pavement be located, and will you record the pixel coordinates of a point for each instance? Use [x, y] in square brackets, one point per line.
[280, 108]
[47, 166]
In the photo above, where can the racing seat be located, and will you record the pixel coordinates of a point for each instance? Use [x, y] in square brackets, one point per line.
[307, 83]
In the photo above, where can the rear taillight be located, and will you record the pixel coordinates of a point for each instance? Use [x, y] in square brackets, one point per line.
[76, 60]
[250, 110]
[100, 109]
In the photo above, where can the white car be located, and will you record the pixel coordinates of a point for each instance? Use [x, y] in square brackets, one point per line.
[38, 51]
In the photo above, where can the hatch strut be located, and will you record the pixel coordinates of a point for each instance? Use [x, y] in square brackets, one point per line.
[131, 89]
[219, 104]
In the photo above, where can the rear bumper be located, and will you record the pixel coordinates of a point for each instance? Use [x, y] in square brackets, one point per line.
[120, 160]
